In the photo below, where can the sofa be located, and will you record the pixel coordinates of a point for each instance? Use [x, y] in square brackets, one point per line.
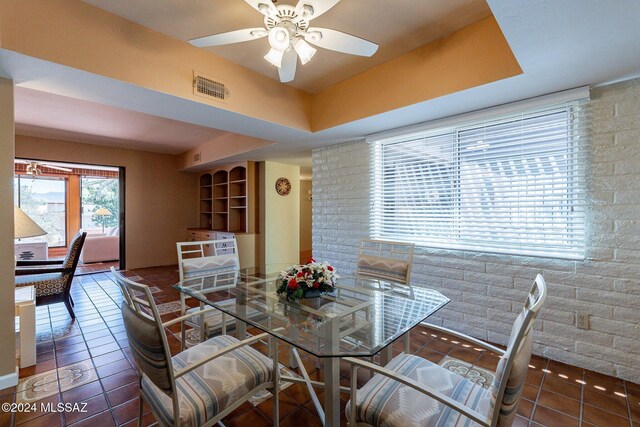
[100, 247]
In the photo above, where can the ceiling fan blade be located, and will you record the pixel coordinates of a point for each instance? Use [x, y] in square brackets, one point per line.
[340, 42]
[311, 9]
[265, 7]
[288, 69]
[236, 36]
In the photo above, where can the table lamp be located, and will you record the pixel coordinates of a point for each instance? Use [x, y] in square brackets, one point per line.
[24, 226]
[103, 212]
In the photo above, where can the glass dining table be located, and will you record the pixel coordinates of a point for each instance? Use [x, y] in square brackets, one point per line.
[361, 318]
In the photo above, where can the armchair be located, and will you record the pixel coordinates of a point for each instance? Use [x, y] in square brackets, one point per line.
[413, 391]
[199, 386]
[52, 279]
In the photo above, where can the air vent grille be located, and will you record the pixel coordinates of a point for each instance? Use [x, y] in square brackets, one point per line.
[196, 157]
[209, 88]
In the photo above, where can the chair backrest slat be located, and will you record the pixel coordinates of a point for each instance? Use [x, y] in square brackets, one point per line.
[146, 335]
[212, 256]
[385, 260]
[513, 366]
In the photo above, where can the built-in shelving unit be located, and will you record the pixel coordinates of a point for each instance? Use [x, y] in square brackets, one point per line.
[206, 201]
[226, 196]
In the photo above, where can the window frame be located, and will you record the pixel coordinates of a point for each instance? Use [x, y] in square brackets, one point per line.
[573, 233]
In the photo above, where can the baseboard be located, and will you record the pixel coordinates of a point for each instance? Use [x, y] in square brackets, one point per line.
[9, 380]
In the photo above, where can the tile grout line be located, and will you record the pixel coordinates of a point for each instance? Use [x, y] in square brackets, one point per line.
[582, 390]
[626, 393]
[535, 404]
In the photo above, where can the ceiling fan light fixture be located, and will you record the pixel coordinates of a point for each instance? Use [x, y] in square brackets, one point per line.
[266, 10]
[279, 39]
[304, 50]
[307, 11]
[274, 57]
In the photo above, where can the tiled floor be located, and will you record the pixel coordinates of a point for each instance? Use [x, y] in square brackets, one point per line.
[88, 361]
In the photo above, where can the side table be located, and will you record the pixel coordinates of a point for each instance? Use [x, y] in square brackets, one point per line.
[25, 311]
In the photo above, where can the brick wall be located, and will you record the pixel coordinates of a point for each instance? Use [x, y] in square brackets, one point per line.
[486, 289]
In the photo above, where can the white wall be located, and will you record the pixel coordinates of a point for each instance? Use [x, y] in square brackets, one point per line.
[305, 215]
[487, 290]
[281, 215]
[8, 375]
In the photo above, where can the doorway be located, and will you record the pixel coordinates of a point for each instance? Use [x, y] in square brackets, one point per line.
[65, 198]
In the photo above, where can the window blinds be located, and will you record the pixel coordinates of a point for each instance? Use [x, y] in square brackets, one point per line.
[509, 185]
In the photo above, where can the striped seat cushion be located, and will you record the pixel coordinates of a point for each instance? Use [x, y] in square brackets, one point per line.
[209, 389]
[383, 401]
[196, 267]
[213, 318]
[386, 268]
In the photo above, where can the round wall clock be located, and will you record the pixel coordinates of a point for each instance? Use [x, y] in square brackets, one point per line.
[283, 186]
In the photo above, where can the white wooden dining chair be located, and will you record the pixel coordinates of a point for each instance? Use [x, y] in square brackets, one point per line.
[207, 258]
[386, 260]
[414, 391]
[199, 386]
[380, 259]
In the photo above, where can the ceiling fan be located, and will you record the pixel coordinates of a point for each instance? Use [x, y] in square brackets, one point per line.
[35, 168]
[289, 34]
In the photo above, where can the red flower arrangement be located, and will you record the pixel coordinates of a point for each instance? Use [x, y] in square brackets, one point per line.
[294, 283]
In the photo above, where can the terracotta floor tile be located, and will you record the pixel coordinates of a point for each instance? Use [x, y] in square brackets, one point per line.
[607, 401]
[126, 412]
[559, 403]
[286, 407]
[549, 417]
[251, 418]
[123, 394]
[466, 354]
[601, 418]
[82, 393]
[35, 412]
[301, 417]
[430, 354]
[53, 419]
[108, 358]
[120, 379]
[103, 419]
[68, 359]
[525, 408]
[565, 372]
[113, 368]
[94, 406]
[565, 388]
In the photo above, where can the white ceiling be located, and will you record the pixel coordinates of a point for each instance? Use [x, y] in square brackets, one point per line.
[559, 45]
[398, 26]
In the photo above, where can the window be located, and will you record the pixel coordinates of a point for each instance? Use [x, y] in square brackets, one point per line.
[505, 186]
[44, 200]
[98, 192]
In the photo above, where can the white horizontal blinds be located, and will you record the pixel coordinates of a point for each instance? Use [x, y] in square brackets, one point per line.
[507, 186]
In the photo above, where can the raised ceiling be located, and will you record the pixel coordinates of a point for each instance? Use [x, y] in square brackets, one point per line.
[398, 26]
[559, 45]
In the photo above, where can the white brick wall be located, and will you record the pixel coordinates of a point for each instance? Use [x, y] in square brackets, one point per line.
[486, 289]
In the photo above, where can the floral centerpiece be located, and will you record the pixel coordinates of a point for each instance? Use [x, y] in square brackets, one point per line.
[305, 279]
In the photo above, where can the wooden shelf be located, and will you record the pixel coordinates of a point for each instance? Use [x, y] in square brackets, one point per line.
[227, 195]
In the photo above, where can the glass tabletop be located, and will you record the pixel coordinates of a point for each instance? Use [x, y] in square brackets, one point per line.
[360, 318]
